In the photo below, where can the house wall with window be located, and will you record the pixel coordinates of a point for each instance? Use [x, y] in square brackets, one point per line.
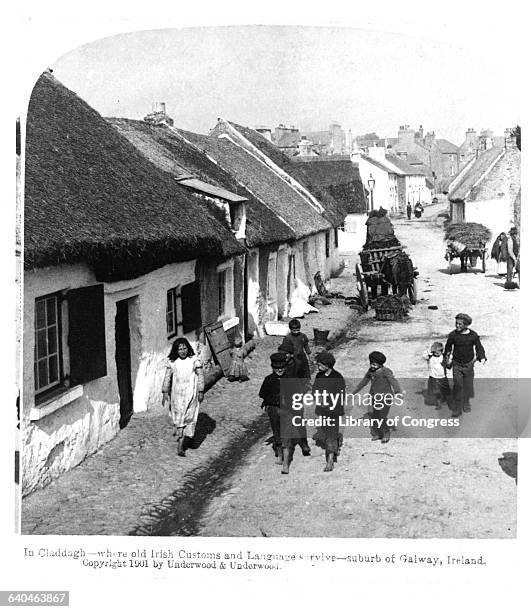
[71, 390]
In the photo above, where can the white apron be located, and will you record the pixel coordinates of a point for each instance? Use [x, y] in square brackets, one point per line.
[184, 402]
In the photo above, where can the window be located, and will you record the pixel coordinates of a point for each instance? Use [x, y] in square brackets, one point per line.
[60, 360]
[47, 354]
[327, 244]
[336, 236]
[222, 291]
[172, 319]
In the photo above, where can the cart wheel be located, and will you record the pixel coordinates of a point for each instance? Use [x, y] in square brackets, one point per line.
[412, 292]
[483, 264]
[362, 287]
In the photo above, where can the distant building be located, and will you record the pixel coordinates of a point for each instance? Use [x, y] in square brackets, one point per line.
[440, 157]
[475, 144]
[487, 189]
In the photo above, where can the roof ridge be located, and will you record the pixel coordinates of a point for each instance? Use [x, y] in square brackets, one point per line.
[287, 178]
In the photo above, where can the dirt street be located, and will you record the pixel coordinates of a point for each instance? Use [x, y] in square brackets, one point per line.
[411, 487]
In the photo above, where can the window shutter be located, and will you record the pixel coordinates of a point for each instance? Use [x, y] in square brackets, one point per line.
[86, 334]
[191, 307]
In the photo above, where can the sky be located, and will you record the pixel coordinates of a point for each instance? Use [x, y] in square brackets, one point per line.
[305, 76]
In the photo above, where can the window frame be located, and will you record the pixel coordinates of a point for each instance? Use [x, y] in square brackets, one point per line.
[42, 393]
[175, 293]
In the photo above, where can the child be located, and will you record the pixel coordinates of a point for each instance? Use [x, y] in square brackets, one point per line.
[238, 369]
[438, 385]
[382, 382]
[331, 381]
[296, 344]
[463, 348]
[270, 394]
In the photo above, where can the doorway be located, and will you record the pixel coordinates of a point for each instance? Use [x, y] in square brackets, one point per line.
[123, 361]
[282, 282]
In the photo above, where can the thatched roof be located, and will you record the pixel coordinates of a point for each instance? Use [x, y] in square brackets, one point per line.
[334, 210]
[171, 147]
[264, 184]
[91, 196]
[337, 177]
[473, 173]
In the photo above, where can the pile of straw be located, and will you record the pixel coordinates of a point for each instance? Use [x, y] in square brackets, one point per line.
[470, 234]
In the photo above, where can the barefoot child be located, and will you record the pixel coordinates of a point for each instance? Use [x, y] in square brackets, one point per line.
[382, 382]
[238, 369]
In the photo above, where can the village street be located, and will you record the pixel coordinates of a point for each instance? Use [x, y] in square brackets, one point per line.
[230, 486]
[411, 487]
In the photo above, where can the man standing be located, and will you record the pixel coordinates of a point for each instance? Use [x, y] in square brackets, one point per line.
[408, 211]
[463, 349]
[512, 252]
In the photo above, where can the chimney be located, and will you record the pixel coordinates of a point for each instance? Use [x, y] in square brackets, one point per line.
[406, 135]
[421, 132]
[158, 116]
[429, 141]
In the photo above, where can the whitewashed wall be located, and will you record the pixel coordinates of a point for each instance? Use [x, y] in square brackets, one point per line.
[497, 215]
[88, 416]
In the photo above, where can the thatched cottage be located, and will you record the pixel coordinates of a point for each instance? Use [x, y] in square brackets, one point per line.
[264, 233]
[282, 186]
[112, 249]
[486, 189]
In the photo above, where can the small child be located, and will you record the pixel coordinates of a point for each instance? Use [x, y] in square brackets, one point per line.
[329, 380]
[270, 394]
[297, 344]
[382, 382]
[438, 385]
[238, 369]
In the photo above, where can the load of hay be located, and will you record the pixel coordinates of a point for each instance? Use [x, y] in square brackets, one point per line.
[380, 231]
[471, 235]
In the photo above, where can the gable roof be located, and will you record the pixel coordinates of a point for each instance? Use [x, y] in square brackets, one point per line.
[171, 146]
[338, 177]
[445, 146]
[333, 210]
[404, 166]
[263, 183]
[379, 163]
[473, 172]
[91, 196]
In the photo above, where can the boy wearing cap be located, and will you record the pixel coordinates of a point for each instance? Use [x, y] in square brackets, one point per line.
[463, 348]
[330, 381]
[383, 382]
[297, 344]
[283, 445]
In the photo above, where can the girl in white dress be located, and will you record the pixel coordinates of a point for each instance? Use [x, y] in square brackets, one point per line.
[183, 387]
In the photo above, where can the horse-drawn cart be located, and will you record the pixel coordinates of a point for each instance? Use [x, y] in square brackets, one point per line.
[469, 256]
[467, 242]
[387, 268]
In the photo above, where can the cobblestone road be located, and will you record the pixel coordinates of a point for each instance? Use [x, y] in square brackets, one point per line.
[136, 484]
